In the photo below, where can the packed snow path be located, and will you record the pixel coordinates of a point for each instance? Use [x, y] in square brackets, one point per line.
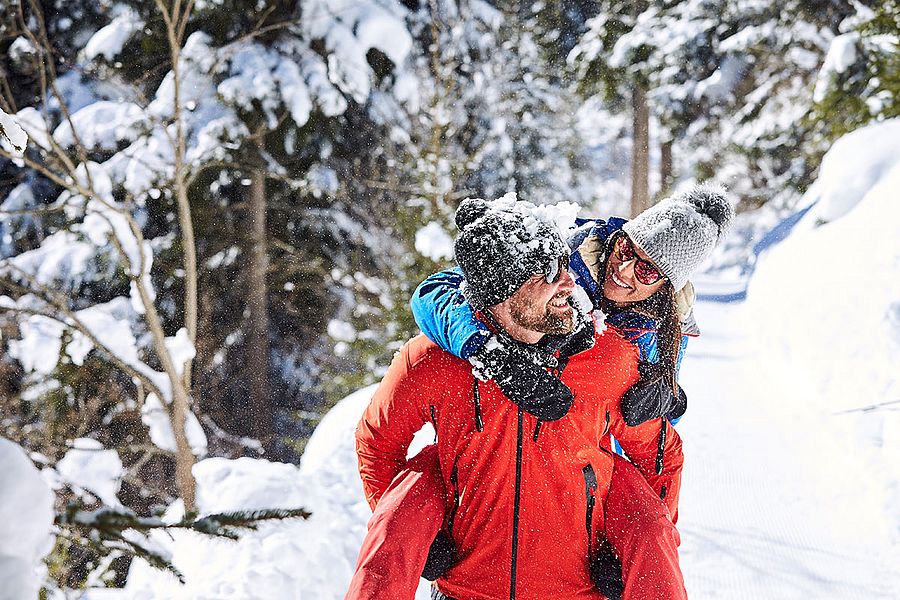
[769, 507]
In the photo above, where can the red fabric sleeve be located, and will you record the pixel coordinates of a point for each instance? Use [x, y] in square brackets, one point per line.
[641, 443]
[397, 411]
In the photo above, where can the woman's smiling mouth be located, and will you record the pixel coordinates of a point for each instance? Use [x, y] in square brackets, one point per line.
[619, 282]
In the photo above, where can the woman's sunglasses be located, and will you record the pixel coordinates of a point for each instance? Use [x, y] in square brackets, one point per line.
[553, 269]
[644, 270]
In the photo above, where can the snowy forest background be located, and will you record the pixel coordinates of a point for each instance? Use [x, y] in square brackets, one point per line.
[212, 233]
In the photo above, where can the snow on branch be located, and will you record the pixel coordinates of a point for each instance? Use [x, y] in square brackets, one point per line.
[108, 529]
[12, 136]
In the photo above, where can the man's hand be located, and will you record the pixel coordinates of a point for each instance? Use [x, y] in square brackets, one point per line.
[441, 556]
[606, 572]
[651, 397]
[523, 378]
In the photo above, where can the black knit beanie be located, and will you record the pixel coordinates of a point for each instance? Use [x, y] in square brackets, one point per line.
[500, 245]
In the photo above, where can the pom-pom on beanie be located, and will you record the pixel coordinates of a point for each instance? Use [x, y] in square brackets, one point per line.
[501, 244]
[680, 232]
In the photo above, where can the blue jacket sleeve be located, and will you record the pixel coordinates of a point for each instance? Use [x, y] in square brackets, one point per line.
[640, 330]
[445, 316]
[646, 343]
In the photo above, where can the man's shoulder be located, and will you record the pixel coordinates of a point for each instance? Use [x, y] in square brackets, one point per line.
[420, 353]
[424, 373]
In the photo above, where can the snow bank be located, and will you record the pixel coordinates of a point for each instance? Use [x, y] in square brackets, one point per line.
[294, 559]
[826, 303]
[855, 164]
[310, 559]
[26, 515]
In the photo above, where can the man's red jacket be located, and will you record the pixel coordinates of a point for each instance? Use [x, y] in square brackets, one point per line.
[525, 500]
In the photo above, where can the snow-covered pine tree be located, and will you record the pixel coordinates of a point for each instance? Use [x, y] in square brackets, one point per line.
[860, 79]
[727, 84]
[613, 63]
[126, 219]
[752, 94]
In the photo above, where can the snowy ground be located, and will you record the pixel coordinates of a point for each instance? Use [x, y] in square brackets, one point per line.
[766, 511]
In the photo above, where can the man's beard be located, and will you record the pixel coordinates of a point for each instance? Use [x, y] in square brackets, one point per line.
[527, 314]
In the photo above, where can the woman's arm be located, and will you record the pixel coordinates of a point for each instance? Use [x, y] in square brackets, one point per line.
[445, 316]
[447, 319]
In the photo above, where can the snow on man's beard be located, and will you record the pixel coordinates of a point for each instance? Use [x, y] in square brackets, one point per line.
[525, 312]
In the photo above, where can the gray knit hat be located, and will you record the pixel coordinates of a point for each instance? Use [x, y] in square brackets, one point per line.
[680, 232]
[501, 244]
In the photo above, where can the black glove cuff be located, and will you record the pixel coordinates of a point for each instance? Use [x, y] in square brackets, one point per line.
[679, 407]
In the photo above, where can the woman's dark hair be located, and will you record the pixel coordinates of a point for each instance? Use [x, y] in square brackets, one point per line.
[662, 308]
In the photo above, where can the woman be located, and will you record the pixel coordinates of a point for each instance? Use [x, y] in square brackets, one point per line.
[632, 271]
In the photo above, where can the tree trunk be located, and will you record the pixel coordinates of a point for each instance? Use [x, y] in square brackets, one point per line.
[665, 167]
[257, 368]
[640, 152]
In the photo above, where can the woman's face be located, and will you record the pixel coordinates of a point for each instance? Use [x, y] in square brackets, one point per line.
[620, 286]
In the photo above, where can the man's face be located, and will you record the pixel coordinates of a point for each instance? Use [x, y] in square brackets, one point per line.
[541, 307]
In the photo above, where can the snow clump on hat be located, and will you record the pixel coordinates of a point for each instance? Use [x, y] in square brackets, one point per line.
[502, 243]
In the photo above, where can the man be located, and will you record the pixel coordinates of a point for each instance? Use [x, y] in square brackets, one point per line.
[530, 502]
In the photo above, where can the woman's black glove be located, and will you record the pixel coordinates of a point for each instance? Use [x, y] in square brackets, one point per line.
[441, 557]
[652, 397]
[521, 373]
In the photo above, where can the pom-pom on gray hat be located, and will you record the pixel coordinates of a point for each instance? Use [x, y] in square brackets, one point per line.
[500, 245]
[680, 232]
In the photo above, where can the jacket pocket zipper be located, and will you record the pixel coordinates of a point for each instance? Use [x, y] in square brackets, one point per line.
[590, 493]
[476, 398]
